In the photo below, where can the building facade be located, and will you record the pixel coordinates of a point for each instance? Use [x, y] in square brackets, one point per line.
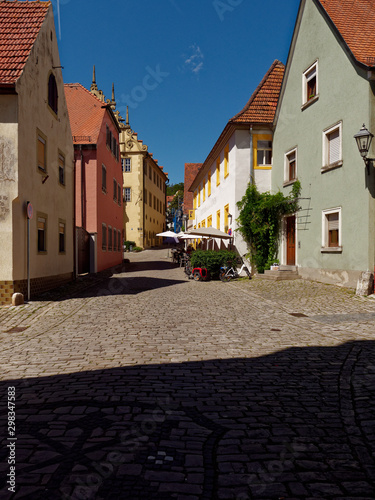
[242, 154]
[144, 190]
[98, 175]
[327, 94]
[36, 161]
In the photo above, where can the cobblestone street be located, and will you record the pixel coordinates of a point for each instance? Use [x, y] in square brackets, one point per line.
[146, 385]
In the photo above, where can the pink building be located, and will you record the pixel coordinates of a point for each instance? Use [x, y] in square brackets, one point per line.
[98, 180]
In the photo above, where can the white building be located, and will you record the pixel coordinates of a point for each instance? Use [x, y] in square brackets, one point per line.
[242, 154]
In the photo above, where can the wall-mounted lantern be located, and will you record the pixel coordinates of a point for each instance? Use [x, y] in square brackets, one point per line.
[363, 139]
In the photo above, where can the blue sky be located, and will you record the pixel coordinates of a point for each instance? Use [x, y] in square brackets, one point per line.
[183, 67]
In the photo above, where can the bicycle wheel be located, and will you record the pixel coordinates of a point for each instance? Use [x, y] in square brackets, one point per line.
[197, 276]
[188, 269]
[225, 276]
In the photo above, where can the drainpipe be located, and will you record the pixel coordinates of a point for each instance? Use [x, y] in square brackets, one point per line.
[251, 156]
[74, 221]
[82, 190]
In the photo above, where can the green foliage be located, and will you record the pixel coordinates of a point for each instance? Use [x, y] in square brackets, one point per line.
[260, 220]
[173, 188]
[127, 245]
[177, 200]
[137, 249]
[213, 260]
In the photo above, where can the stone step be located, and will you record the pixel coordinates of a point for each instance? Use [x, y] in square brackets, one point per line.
[279, 275]
[284, 267]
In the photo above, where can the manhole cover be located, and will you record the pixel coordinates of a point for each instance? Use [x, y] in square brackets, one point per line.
[299, 315]
[17, 329]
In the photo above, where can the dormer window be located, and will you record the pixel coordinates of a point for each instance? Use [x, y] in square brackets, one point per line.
[310, 84]
[52, 93]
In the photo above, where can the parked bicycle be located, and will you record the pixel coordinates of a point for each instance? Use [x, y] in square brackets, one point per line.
[227, 273]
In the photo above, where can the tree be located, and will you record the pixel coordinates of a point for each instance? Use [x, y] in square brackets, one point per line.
[173, 188]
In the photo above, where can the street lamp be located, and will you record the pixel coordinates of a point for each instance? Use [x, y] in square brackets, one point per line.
[363, 139]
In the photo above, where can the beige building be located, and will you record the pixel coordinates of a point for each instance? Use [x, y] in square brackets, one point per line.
[36, 155]
[144, 190]
[144, 183]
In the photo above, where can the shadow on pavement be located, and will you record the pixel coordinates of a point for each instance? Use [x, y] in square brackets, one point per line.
[298, 424]
[107, 283]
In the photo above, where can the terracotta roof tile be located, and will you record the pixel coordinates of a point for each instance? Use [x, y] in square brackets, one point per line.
[86, 113]
[355, 21]
[20, 25]
[262, 104]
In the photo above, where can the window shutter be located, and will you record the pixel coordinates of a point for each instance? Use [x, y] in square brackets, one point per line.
[333, 222]
[333, 146]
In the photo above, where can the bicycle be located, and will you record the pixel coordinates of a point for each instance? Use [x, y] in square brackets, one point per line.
[227, 273]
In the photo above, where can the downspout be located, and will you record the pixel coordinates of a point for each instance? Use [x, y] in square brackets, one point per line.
[75, 252]
[251, 156]
[82, 190]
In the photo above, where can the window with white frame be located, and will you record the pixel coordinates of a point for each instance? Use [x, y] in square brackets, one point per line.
[310, 83]
[126, 164]
[264, 153]
[290, 165]
[127, 194]
[104, 237]
[331, 229]
[332, 146]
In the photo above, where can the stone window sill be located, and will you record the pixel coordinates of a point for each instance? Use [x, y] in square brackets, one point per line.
[327, 168]
[309, 102]
[331, 249]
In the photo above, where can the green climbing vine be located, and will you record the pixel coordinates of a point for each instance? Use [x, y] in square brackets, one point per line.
[260, 220]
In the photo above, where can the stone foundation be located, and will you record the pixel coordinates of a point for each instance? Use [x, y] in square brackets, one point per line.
[347, 279]
[37, 286]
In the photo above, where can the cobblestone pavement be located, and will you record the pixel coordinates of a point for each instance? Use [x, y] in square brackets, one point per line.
[143, 384]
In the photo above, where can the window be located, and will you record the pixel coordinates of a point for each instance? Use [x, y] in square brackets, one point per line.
[115, 190]
[42, 234]
[119, 240]
[209, 221]
[218, 219]
[150, 199]
[195, 200]
[226, 218]
[264, 153]
[52, 93]
[61, 169]
[332, 148]
[218, 172]
[209, 183]
[126, 164]
[108, 136]
[61, 237]
[204, 190]
[150, 173]
[104, 179]
[290, 166]
[109, 238]
[119, 194]
[42, 153]
[127, 194]
[331, 230]
[104, 237]
[226, 161]
[310, 84]
[199, 197]
[114, 240]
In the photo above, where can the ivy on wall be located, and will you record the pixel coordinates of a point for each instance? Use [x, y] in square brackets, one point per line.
[260, 222]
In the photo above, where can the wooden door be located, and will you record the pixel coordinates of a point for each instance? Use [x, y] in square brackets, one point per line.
[291, 241]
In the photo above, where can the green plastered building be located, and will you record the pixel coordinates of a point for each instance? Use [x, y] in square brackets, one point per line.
[326, 96]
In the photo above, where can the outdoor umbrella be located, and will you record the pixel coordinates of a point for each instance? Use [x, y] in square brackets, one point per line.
[169, 234]
[210, 232]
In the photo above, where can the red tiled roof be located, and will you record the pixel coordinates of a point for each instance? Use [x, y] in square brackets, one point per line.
[20, 25]
[86, 113]
[262, 104]
[355, 21]
[191, 170]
